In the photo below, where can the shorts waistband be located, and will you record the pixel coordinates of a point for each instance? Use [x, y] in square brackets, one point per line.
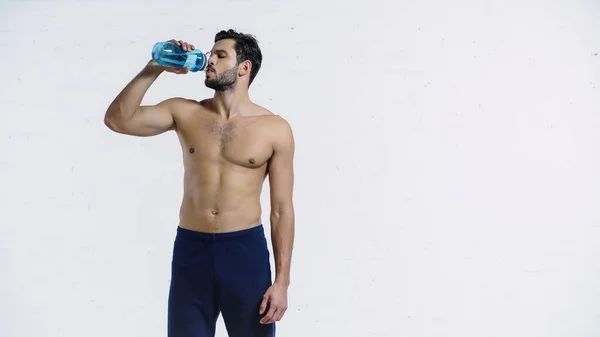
[256, 230]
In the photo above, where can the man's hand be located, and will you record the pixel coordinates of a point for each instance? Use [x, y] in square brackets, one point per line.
[276, 296]
[186, 47]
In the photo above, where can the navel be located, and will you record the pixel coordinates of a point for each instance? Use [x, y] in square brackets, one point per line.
[192, 150]
[251, 160]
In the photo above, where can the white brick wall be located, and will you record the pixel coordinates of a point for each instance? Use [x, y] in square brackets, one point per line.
[447, 172]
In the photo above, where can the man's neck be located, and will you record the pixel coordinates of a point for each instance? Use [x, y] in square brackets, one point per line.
[230, 103]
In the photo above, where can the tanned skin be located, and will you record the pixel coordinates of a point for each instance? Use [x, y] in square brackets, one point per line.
[230, 145]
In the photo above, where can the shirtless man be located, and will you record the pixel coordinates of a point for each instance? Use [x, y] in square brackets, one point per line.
[230, 145]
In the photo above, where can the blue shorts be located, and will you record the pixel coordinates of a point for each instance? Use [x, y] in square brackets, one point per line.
[214, 273]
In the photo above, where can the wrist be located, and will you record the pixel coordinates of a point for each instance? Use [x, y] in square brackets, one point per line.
[153, 67]
[284, 282]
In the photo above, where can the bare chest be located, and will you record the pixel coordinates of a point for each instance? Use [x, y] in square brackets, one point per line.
[242, 143]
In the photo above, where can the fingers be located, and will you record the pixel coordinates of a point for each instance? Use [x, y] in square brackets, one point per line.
[279, 314]
[263, 304]
[274, 315]
[184, 45]
[177, 70]
[268, 318]
[277, 303]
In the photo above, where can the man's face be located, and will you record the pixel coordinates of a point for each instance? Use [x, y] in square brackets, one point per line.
[222, 69]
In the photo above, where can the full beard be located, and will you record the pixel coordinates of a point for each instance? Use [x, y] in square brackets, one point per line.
[223, 82]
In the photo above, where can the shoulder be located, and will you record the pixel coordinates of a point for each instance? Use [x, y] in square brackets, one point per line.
[280, 131]
[178, 104]
[177, 101]
[282, 127]
[276, 126]
[182, 108]
[276, 123]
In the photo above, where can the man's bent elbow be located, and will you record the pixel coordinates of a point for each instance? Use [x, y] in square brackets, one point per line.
[110, 118]
[110, 123]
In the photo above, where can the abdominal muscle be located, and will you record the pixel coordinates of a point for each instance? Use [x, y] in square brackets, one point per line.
[221, 197]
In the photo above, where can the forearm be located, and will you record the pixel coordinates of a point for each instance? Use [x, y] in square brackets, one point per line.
[129, 99]
[282, 236]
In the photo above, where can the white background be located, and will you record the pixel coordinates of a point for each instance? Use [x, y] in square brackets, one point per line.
[447, 171]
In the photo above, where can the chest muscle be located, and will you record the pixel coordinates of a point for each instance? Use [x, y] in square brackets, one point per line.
[238, 143]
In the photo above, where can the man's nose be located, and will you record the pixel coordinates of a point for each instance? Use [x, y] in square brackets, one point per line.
[211, 59]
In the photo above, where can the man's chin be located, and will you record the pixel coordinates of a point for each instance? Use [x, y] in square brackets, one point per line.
[218, 86]
[210, 85]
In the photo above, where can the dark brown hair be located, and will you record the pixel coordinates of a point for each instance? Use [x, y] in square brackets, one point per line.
[246, 48]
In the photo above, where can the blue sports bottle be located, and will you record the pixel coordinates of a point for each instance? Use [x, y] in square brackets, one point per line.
[171, 55]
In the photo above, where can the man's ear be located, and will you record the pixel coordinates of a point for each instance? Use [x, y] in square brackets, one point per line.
[244, 68]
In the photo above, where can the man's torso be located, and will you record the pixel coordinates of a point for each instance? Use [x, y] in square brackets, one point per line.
[225, 165]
